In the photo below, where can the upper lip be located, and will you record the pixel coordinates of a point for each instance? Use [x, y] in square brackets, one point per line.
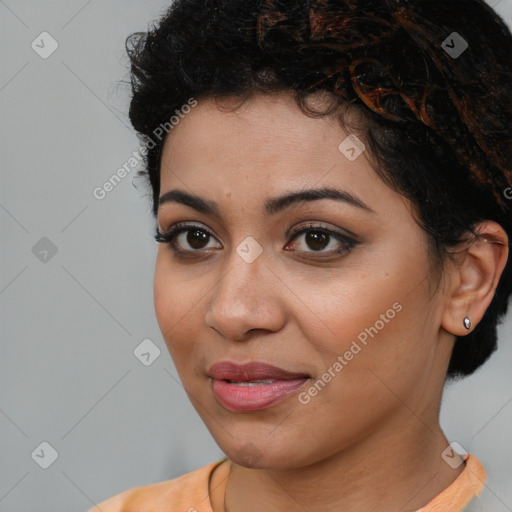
[226, 370]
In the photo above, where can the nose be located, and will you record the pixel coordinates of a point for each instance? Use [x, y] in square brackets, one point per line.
[246, 299]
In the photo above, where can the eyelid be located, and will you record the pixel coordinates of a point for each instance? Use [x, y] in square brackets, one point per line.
[165, 236]
[292, 232]
[321, 226]
[185, 225]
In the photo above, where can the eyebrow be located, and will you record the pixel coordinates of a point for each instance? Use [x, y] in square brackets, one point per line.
[272, 206]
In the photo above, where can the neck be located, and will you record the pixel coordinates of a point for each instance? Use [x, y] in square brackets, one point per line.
[402, 470]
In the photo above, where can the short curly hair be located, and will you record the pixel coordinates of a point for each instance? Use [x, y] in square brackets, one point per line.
[438, 124]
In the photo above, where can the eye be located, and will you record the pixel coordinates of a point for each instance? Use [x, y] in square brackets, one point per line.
[192, 241]
[315, 239]
[185, 239]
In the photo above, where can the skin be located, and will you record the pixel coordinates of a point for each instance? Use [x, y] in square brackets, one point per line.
[370, 439]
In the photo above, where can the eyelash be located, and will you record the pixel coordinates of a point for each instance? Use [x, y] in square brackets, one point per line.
[168, 237]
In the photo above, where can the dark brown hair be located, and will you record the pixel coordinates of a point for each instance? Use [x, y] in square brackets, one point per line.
[430, 79]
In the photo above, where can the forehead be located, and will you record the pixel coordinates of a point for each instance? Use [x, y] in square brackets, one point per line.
[265, 147]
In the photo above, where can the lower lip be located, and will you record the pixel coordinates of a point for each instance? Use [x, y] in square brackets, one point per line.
[256, 397]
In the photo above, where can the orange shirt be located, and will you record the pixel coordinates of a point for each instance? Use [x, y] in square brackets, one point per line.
[190, 493]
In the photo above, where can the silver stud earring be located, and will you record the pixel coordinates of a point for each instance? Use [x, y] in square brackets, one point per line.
[467, 323]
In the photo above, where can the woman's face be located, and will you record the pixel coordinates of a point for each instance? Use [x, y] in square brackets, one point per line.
[344, 304]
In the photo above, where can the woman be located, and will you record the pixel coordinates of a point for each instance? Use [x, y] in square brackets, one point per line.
[330, 183]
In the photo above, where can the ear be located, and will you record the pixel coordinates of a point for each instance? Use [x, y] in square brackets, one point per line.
[474, 277]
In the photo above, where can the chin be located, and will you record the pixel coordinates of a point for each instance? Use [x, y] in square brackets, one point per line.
[249, 455]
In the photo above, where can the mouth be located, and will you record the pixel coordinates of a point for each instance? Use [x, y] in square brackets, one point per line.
[249, 382]
[252, 386]
[251, 372]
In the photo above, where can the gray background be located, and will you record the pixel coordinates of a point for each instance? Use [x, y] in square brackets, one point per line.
[70, 321]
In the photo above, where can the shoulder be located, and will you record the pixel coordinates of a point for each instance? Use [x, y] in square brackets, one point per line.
[186, 492]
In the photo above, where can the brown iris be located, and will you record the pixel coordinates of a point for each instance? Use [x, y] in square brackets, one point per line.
[197, 238]
[316, 239]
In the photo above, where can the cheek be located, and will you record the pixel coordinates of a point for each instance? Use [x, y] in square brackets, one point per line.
[367, 363]
[375, 323]
[352, 308]
[164, 296]
[177, 306]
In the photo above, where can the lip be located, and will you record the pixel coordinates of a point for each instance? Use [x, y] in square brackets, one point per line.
[245, 398]
[254, 370]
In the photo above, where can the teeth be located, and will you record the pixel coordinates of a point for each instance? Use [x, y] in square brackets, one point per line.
[251, 382]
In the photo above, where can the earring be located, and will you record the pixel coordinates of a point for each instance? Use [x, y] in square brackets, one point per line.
[467, 323]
